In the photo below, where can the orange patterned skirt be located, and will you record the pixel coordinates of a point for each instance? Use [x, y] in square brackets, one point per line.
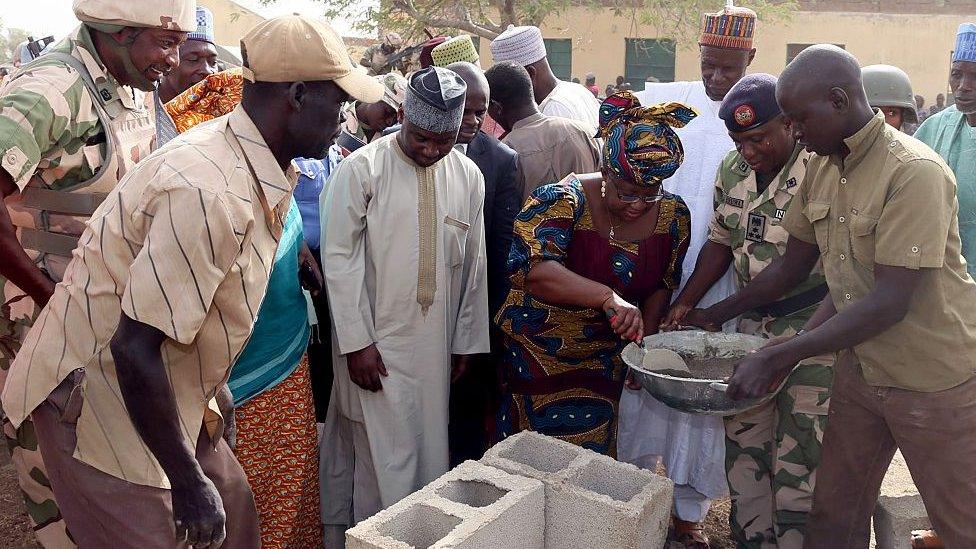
[277, 448]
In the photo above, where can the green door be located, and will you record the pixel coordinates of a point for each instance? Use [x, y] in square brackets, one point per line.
[560, 54]
[648, 57]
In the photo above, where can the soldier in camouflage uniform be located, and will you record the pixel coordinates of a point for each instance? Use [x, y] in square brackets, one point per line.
[771, 451]
[71, 127]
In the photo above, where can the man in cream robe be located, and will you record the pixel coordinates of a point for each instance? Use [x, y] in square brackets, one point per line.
[404, 255]
[693, 446]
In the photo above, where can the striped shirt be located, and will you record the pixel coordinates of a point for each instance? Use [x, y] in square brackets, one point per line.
[185, 244]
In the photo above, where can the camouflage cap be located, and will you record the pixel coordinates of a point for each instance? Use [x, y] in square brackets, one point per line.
[176, 15]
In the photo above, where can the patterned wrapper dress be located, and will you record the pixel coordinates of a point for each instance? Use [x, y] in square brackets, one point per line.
[562, 374]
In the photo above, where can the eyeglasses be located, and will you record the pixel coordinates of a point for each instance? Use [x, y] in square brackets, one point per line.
[631, 198]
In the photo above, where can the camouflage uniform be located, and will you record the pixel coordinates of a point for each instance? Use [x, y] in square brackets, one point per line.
[375, 60]
[771, 451]
[55, 146]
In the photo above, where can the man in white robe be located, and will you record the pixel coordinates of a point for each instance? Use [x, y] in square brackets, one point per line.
[403, 249]
[693, 446]
[525, 46]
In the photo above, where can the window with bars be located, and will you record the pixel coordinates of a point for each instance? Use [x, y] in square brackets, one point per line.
[560, 54]
[648, 57]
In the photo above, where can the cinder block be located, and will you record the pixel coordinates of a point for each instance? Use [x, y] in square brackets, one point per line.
[472, 507]
[900, 508]
[591, 500]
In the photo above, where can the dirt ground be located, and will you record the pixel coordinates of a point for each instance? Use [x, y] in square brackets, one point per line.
[15, 532]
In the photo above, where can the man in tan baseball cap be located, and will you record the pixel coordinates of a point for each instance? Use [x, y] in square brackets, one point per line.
[194, 230]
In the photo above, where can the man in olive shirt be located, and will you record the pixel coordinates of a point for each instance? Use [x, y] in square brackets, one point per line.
[879, 208]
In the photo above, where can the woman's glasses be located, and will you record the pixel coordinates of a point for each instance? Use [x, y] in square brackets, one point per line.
[632, 198]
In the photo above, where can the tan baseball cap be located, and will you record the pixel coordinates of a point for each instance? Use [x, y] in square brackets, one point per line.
[176, 15]
[296, 48]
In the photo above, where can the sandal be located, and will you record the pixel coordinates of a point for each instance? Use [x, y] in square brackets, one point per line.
[690, 535]
[926, 539]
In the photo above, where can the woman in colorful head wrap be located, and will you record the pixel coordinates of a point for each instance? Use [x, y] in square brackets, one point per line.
[593, 264]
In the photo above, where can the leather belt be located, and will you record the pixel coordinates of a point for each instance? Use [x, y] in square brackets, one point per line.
[793, 304]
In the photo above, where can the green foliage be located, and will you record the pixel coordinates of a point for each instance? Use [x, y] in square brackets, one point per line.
[675, 19]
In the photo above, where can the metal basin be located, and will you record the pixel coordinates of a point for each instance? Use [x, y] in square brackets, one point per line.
[710, 357]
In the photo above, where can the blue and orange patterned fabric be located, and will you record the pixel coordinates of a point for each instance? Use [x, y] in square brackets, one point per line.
[640, 145]
[561, 371]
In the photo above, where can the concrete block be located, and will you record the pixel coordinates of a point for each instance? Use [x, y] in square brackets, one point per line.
[900, 508]
[472, 507]
[591, 500]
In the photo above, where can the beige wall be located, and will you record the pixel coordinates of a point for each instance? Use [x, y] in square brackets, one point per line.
[231, 20]
[919, 44]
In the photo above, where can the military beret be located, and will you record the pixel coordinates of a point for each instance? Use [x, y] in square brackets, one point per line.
[750, 103]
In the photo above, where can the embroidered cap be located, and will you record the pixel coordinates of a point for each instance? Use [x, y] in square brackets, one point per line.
[750, 103]
[435, 100]
[205, 26]
[296, 48]
[454, 50]
[965, 43]
[522, 45]
[731, 28]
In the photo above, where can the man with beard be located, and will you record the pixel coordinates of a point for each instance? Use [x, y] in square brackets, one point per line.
[693, 445]
[471, 393]
[73, 123]
[403, 250]
[952, 133]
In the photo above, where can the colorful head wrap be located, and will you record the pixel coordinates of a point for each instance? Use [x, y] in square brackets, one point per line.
[639, 144]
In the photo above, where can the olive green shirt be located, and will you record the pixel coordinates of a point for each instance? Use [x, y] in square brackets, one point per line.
[892, 201]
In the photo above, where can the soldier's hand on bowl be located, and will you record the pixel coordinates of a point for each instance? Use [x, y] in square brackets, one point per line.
[757, 374]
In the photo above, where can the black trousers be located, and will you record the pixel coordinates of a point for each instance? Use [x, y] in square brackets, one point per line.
[320, 352]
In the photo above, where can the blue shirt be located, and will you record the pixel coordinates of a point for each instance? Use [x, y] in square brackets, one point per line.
[313, 174]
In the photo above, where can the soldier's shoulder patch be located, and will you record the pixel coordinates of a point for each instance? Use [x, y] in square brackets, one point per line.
[791, 182]
[742, 168]
[734, 202]
[780, 214]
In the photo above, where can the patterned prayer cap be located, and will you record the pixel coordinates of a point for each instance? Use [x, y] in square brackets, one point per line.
[732, 28]
[965, 43]
[205, 26]
[750, 103]
[435, 100]
[639, 144]
[523, 45]
[454, 50]
[394, 89]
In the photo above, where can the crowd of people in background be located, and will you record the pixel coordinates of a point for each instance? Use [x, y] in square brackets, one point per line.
[254, 306]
